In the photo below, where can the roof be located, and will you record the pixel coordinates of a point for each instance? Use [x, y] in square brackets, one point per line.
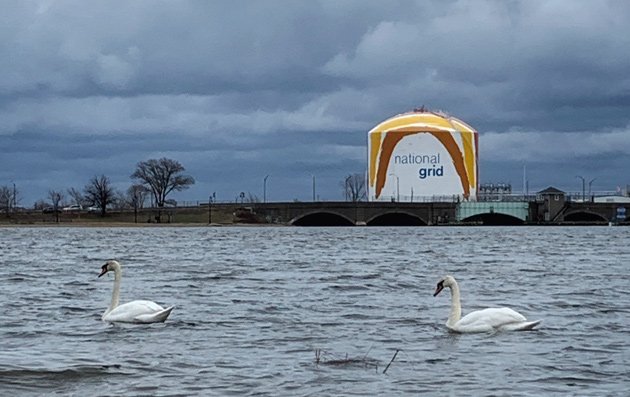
[551, 190]
[421, 117]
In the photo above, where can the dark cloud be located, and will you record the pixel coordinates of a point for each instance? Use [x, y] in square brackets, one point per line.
[290, 89]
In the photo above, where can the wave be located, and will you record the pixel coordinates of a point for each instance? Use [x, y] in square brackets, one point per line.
[40, 377]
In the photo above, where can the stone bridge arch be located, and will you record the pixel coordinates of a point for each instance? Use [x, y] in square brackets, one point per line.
[493, 212]
[584, 216]
[396, 218]
[321, 218]
[494, 219]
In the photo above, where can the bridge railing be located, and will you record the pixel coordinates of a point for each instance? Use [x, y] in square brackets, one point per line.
[422, 199]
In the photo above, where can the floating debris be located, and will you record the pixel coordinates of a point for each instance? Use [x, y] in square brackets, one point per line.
[365, 361]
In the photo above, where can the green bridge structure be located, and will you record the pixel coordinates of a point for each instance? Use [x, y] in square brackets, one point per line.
[549, 207]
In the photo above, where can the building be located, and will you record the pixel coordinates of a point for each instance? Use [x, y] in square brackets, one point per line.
[553, 203]
[422, 156]
[494, 191]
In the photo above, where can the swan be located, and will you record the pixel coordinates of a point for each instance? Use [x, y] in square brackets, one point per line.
[139, 311]
[486, 320]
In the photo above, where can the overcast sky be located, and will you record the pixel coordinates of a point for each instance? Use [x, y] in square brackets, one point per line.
[290, 89]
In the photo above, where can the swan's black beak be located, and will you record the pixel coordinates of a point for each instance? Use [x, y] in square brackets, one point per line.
[103, 271]
[439, 288]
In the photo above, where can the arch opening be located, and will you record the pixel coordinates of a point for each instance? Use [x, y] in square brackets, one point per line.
[494, 219]
[396, 219]
[322, 219]
[586, 217]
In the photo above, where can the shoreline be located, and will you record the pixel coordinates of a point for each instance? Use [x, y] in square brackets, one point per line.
[133, 225]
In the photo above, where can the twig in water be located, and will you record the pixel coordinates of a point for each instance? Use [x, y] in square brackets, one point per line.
[391, 361]
[368, 352]
[344, 361]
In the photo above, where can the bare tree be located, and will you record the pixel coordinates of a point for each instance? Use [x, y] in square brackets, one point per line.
[252, 198]
[40, 204]
[55, 198]
[136, 196]
[119, 202]
[76, 196]
[161, 177]
[8, 198]
[100, 192]
[354, 187]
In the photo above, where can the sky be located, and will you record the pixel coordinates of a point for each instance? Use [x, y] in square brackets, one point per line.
[289, 89]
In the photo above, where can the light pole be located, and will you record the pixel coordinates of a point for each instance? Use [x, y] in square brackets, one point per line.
[583, 187]
[589, 186]
[211, 199]
[265, 188]
[397, 186]
[209, 209]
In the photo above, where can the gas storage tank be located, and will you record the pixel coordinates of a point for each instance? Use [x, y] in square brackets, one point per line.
[422, 155]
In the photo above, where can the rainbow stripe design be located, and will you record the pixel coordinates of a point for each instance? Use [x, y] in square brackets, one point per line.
[458, 138]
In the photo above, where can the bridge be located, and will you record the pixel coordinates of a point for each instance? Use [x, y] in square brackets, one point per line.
[588, 212]
[549, 207]
[539, 211]
[343, 213]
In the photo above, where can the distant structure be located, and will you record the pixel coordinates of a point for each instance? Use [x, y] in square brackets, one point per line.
[494, 191]
[422, 155]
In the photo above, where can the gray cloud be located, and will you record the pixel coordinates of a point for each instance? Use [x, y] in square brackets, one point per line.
[291, 89]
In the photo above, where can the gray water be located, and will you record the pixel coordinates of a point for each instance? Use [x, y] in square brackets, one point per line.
[254, 304]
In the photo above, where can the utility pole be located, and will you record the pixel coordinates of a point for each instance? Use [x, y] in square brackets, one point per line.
[210, 200]
[397, 186]
[265, 188]
[583, 186]
[589, 186]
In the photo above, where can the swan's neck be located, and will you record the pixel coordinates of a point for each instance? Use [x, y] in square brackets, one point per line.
[456, 308]
[115, 292]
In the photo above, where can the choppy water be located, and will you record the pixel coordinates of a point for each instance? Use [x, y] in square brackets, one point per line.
[254, 304]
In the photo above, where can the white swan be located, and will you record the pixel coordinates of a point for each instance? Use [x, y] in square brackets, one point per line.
[486, 320]
[139, 311]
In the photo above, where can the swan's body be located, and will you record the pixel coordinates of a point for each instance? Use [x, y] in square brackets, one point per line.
[486, 320]
[139, 311]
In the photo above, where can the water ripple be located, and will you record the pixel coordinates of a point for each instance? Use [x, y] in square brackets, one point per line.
[254, 304]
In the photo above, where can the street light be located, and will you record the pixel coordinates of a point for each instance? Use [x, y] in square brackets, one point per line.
[313, 176]
[397, 186]
[583, 189]
[589, 186]
[265, 188]
[209, 209]
[212, 198]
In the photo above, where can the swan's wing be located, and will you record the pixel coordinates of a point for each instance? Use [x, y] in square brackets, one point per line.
[522, 326]
[489, 319]
[130, 311]
[158, 317]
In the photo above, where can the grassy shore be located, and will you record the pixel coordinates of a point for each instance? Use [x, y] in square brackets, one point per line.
[188, 216]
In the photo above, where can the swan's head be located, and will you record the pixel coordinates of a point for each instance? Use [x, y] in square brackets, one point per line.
[109, 266]
[447, 281]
